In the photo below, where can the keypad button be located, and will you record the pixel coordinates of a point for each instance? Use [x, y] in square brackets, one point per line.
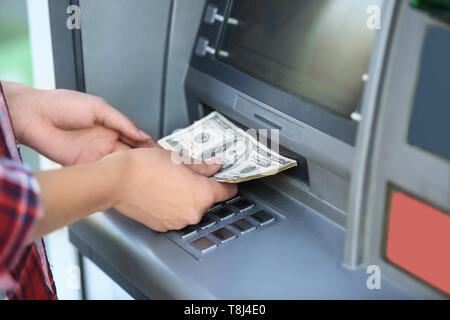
[223, 235]
[203, 244]
[206, 222]
[215, 206]
[243, 226]
[223, 213]
[187, 231]
[242, 205]
[262, 217]
[234, 199]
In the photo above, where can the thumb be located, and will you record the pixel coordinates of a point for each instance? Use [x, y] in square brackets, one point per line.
[208, 168]
[113, 119]
[222, 191]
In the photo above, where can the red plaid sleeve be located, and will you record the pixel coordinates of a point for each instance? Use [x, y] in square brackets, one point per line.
[19, 211]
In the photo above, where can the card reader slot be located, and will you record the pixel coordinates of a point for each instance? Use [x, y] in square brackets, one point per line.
[268, 122]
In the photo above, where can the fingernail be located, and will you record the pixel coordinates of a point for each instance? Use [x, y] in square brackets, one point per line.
[144, 135]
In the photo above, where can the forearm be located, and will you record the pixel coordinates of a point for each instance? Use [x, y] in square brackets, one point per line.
[73, 193]
[19, 98]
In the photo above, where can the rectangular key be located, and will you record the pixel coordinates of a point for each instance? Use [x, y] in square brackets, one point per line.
[223, 235]
[215, 206]
[243, 226]
[224, 213]
[203, 244]
[262, 217]
[187, 231]
[206, 222]
[233, 199]
[242, 205]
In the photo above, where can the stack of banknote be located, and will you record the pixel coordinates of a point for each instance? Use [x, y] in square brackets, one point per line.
[243, 156]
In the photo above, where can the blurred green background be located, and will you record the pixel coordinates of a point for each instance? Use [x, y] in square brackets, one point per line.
[15, 54]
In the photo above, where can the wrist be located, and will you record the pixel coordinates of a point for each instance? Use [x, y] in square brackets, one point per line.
[115, 168]
[70, 194]
[19, 98]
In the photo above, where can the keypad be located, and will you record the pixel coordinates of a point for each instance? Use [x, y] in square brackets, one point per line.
[223, 224]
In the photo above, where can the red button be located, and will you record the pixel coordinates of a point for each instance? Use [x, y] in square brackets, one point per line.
[419, 240]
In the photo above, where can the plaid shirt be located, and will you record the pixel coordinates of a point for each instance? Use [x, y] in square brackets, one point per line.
[24, 269]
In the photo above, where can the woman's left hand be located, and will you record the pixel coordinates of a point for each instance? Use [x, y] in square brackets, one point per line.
[70, 127]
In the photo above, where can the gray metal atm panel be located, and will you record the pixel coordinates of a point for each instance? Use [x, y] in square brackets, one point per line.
[330, 160]
[294, 134]
[296, 258]
[364, 143]
[124, 46]
[300, 257]
[186, 16]
[329, 175]
[393, 160]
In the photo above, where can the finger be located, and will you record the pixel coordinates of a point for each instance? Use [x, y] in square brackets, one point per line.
[148, 144]
[128, 141]
[154, 224]
[223, 191]
[206, 169]
[136, 144]
[115, 120]
[120, 146]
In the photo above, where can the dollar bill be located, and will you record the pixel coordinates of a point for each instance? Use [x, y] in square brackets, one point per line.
[244, 158]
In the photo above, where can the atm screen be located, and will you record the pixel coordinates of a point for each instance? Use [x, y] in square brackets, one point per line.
[318, 50]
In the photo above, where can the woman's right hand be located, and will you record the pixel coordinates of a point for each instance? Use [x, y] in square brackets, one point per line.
[162, 195]
[143, 184]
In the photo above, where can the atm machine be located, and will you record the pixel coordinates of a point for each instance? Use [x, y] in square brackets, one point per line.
[361, 103]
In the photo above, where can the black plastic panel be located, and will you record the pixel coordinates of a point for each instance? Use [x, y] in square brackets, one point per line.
[429, 128]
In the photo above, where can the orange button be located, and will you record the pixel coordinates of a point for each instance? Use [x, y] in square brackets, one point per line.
[419, 240]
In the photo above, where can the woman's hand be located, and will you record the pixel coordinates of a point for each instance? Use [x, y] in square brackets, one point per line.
[70, 127]
[163, 195]
[143, 184]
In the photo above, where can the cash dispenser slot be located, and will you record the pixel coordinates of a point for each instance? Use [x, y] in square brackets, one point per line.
[299, 172]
